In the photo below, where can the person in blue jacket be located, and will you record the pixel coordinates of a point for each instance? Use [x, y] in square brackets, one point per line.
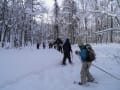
[85, 74]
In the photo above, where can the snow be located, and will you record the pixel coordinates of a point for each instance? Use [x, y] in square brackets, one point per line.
[32, 69]
[105, 12]
[109, 29]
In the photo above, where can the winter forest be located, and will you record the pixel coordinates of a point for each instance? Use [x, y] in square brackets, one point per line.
[27, 22]
[41, 44]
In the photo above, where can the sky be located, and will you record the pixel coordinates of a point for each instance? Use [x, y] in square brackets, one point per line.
[50, 3]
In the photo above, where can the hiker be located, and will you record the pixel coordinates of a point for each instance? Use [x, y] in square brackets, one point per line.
[50, 45]
[44, 45]
[38, 45]
[58, 44]
[66, 50]
[87, 55]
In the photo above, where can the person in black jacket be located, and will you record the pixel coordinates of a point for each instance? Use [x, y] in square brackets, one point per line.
[66, 50]
[58, 44]
[44, 46]
[38, 45]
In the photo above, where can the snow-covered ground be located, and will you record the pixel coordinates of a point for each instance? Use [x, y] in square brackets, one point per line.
[32, 69]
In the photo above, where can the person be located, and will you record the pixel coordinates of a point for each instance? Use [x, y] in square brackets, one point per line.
[50, 45]
[44, 45]
[58, 44]
[38, 45]
[86, 76]
[66, 50]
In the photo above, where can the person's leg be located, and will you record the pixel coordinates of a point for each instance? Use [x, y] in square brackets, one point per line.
[61, 49]
[64, 59]
[83, 73]
[69, 58]
[89, 75]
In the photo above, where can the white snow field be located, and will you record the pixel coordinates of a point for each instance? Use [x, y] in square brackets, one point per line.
[32, 69]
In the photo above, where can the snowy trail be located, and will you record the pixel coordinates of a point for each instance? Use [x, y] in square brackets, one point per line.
[31, 69]
[26, 73]
[22, 77]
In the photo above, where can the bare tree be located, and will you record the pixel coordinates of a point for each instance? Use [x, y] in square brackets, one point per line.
[56, 21]
[17, 21]
[69, 19]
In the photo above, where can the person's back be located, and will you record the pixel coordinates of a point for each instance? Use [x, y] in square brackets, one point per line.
[67, 46]
[67, 49]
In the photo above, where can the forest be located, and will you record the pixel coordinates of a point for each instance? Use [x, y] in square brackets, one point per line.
[27, 22]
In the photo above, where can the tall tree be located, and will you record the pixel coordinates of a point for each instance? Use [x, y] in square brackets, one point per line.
[69, 15]
[4, 20]
[56, 20]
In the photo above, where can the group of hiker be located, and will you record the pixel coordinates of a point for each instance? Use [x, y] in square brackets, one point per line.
[57, 44]
[43, 45]
[85, 52]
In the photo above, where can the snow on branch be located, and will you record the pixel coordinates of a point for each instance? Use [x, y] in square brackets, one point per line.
[104, 12]
[107, 30]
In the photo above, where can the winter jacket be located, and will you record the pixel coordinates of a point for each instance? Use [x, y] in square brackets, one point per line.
[84, 54]
[67, 46]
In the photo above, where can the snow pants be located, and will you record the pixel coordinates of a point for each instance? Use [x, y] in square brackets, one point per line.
[85, 74]
[66, 56]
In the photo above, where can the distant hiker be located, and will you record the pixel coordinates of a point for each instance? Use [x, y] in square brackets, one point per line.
[38, 45]
[50, 45]
[66, 50]
[58, 44]
[87, 55]
[16, 44]
[44, 45]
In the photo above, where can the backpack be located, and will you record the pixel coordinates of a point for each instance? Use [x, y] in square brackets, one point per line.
[91, 55]
[84, 54]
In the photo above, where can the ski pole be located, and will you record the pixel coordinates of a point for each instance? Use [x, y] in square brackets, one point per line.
[72, 56]
[106, 72]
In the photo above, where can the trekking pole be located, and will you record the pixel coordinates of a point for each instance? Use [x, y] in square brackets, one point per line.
[72, 56]
[106, 72]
